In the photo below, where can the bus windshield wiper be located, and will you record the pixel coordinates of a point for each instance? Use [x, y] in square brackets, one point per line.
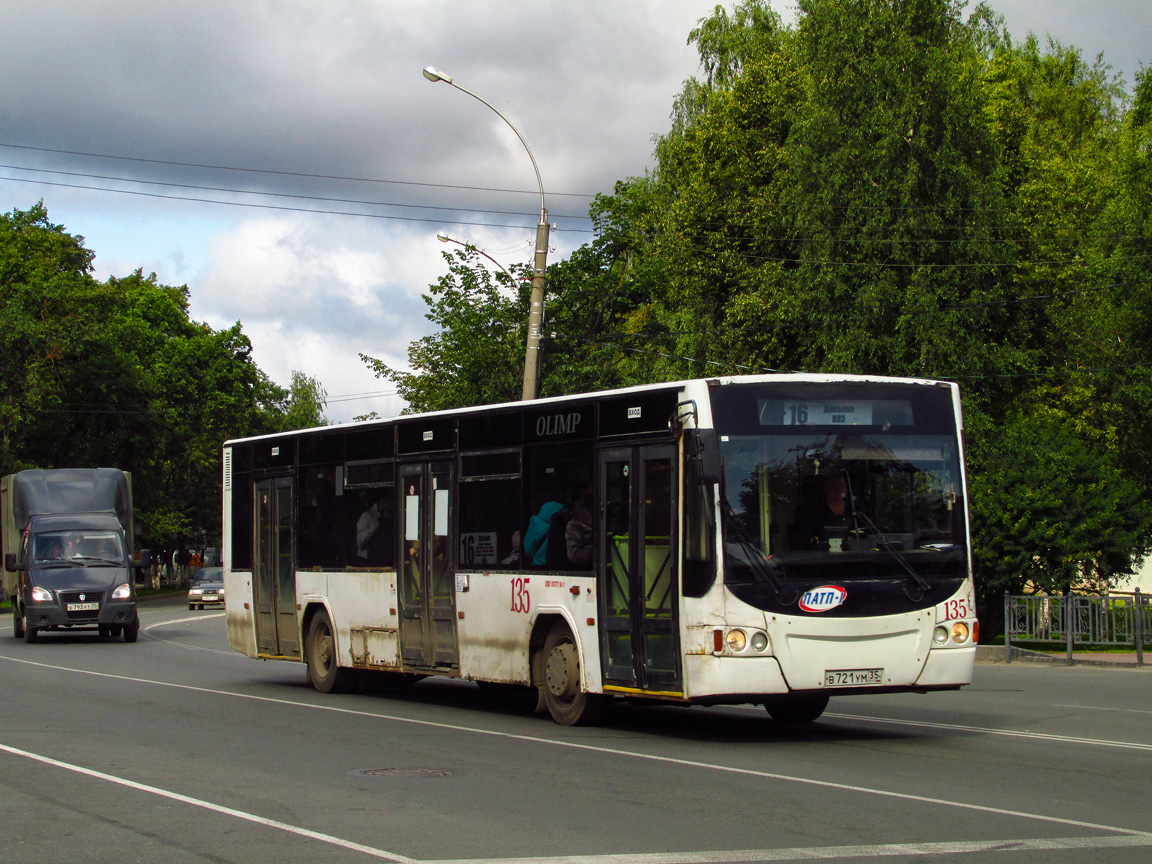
[887, 546]
[752, 553]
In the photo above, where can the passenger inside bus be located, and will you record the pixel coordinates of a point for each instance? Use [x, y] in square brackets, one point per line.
[539, 530]
[578, 532]
[823, 510]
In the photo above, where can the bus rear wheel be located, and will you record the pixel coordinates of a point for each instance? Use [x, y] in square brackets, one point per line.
[326, 675]
[796, 709]
[565, 701]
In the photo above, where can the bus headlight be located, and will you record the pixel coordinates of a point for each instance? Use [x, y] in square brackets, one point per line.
[959, 632]
[940, 635]
[736, 640]
[759, 641]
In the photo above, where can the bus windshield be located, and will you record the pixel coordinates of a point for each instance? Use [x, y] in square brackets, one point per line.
[862, 481]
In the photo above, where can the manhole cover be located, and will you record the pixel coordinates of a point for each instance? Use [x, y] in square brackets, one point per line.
[404, 772]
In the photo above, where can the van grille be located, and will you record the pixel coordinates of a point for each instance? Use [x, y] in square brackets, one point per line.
[69, 597]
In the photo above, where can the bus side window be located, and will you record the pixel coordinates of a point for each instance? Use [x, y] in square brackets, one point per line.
[559, 478]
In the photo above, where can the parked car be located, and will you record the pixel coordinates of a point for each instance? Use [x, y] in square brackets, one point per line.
[207, 588]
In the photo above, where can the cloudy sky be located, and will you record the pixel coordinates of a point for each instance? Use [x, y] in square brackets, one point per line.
[289, 163]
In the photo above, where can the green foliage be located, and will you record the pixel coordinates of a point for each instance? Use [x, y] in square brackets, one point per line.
[477, 356]
[306, 401]
[1052, 513]
[115, 374]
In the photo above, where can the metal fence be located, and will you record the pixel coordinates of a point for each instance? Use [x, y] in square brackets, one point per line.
[1114, 619]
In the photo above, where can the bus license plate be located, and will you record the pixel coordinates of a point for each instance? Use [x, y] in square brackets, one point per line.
[853, 677]
[83, 607]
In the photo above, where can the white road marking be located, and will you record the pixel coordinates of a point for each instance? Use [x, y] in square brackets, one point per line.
[610, 751]
[184, 645]
[208, 805]
[827, 853]
[986, 730]
[1098, 708]
[184, 621]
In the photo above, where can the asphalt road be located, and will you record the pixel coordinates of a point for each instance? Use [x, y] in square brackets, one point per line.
[176, 749]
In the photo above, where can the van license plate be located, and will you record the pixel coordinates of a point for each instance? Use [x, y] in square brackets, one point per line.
[83, 607]
[853, 677]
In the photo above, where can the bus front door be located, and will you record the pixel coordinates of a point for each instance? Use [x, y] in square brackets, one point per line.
[637, 539]
[274, 585]
[427, 571]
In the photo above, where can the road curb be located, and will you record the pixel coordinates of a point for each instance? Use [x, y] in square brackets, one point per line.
[995, 654]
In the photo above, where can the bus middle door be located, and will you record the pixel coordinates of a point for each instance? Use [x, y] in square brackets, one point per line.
[637, 538]
[427, 571]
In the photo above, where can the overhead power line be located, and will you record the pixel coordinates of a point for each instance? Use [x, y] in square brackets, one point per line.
[275, 172]
[281, 207]
[290, 195]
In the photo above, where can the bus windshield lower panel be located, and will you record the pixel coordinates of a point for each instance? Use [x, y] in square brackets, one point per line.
[848, 489]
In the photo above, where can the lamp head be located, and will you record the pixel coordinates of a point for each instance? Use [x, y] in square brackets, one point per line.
[443, 237]
[433, 74]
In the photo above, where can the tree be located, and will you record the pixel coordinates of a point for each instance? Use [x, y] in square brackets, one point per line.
[1052, 513]
[306, 401]
[477, 356]
[116, 374]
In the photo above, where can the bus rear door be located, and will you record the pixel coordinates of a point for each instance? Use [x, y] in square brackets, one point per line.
[274, 586]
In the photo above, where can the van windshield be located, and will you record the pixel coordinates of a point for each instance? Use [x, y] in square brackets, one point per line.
[90, 548]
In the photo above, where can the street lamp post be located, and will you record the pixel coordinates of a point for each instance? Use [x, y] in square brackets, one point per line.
[540, 263]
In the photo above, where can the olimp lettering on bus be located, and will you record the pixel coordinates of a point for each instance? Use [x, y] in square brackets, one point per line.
[557, 424]
[571, 422]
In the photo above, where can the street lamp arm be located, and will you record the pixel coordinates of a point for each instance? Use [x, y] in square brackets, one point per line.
[445, 237]
[435, 75]
[539, 262]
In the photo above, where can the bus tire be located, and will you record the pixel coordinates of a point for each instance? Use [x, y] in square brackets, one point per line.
[566, 702]
[796, 709]
[326, 674]
[17, 621]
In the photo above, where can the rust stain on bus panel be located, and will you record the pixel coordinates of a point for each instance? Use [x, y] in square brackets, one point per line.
[238, 615]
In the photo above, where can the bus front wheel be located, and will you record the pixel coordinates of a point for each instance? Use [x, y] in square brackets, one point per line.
[796, 709]
[566, 702]
[325, 673]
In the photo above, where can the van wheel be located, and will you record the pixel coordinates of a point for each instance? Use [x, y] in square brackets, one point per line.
[17, 621]
[326, 674]
[29, 633]
[132, 631]
[565, 701]
[796, 709]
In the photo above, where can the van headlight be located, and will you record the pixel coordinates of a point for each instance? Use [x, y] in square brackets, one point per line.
[122, 592]
[41, 595]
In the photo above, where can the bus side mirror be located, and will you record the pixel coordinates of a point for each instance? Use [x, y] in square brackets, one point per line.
[707, 454]
[11, 564]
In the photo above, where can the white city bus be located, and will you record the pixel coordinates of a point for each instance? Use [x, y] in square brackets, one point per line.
[770, 539]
